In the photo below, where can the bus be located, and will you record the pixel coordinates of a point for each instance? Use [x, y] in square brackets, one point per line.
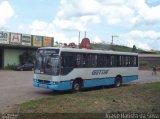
[74, 69]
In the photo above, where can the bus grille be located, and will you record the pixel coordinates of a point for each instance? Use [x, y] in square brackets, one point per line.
[43, 81]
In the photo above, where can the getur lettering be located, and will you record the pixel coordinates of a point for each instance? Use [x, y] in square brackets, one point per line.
[100, 72]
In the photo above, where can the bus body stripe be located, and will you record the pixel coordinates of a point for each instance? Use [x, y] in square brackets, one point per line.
[67, 85]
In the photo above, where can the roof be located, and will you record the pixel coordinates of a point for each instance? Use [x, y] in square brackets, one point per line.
[149, 55]
[90, 51]
[17, 46]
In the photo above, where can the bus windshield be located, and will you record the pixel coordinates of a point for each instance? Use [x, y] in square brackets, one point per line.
[47, 63]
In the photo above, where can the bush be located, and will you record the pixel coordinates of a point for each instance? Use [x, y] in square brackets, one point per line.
[27, 57]
[10, 67]
[143, 64]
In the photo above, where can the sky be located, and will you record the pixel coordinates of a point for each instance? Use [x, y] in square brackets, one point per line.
[130, 22]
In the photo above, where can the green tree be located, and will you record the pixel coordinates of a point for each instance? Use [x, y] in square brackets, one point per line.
[134, 49]
[27, 57]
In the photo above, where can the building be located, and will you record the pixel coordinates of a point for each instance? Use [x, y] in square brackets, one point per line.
[12, 45]
[151, 59]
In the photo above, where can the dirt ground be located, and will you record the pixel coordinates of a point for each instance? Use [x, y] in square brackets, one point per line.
[16, 87]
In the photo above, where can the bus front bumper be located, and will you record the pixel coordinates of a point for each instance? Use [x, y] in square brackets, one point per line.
[53, 85]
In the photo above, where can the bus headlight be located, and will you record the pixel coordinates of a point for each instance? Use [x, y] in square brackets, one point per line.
[35, 80]
[54, 82]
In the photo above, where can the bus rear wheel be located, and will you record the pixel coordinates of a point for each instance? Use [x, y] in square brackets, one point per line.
[118, 81]
[76, 87]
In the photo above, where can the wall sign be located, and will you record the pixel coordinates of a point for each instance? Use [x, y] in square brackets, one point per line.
[26, 39]
[15, 38]
[37, 40]
[4, 37]
[47, 41]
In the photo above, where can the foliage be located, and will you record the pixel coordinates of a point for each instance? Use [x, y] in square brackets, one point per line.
[134, 49]
[104, 46]
[9, 67]
[27, 57]
[143, 63]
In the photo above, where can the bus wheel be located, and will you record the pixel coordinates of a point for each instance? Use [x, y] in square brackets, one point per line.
[118, 81]
[76, 87]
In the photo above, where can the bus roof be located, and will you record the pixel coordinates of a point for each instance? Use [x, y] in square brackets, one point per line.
[90, 51]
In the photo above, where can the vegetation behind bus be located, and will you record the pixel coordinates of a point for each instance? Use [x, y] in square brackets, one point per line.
[104, 46]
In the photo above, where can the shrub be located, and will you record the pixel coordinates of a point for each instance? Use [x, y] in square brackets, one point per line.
[10, 67]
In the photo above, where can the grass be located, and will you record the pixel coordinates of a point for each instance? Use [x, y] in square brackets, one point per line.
[140, 98]
[94, 104]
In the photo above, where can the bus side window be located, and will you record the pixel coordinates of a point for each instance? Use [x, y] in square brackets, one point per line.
[87, 60]
[92, 60]
[126, 59]
[100, 60]
[112, 60]
[120, 61]
[108, 59]
[68, 62]
[84, 61]
[135, 61]
[79, 60]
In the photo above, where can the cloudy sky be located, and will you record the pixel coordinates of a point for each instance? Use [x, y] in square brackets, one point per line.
[134, 22]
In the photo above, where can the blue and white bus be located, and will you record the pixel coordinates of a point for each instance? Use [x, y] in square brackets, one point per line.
[70, 68]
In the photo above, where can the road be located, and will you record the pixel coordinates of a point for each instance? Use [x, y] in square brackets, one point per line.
[147, 77]
[16, 87]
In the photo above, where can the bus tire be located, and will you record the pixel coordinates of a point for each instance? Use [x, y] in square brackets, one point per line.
[76, 86]
[118, 81]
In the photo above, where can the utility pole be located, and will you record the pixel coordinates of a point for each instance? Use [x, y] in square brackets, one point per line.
[113, 36]
[85, 34]
[79, 37]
